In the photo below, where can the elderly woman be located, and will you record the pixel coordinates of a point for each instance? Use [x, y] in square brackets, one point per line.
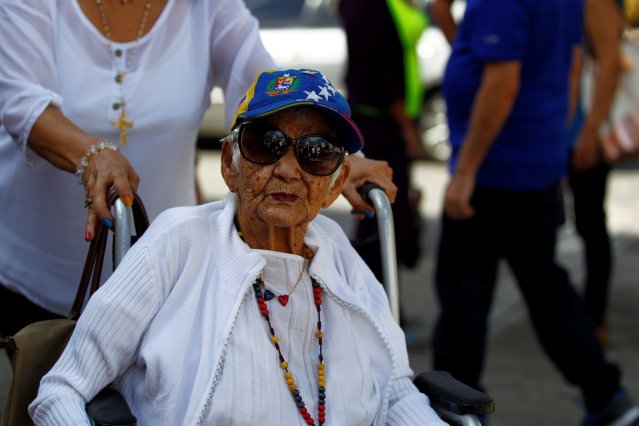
[253, 309]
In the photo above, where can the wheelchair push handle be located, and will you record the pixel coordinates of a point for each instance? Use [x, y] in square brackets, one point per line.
[375, 195]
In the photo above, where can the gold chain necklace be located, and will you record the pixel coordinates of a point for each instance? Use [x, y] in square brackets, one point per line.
[283, 298]
[268, 294]
[122, 124]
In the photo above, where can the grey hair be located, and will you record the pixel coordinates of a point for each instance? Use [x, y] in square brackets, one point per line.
[232, 139]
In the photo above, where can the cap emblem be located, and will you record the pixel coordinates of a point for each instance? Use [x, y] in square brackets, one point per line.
[282, 85]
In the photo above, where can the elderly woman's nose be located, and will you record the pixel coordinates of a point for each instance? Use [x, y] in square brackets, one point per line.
[287, 165]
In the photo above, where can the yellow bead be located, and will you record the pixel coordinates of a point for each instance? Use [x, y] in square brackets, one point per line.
[319, 334]
[288, 375]
[274, 339]
[290, 381]
[284, 364]
[321, 367]
[321, 383]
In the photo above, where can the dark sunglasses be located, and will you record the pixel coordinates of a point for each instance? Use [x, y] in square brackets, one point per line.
[261, 143]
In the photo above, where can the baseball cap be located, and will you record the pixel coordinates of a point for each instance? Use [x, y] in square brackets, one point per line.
[275, 90]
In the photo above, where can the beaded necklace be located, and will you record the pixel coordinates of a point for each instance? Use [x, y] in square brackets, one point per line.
[288, 376]
[321, 370]
[122, 124]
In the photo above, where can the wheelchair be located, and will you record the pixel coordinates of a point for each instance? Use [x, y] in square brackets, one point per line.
[453, 401]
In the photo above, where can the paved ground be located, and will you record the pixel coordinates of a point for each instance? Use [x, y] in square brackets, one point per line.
[527, 389]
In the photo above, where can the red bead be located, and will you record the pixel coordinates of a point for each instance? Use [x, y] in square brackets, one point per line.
[303, 410]
[310, 422]
[321, 408]
[307, 416]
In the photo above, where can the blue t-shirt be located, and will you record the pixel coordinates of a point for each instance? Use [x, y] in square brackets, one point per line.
[530, 152]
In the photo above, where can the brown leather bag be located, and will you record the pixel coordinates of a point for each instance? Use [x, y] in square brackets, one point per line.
[36, 348]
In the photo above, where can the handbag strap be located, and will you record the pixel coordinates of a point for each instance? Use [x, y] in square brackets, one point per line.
[92, 271]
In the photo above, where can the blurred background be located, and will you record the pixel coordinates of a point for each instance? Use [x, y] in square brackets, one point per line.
[307, 33]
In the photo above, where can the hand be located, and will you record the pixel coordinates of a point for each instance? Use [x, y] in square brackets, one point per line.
[586, 153]
[107, 168]
[457, 199]
[366, 170]
[414, 148]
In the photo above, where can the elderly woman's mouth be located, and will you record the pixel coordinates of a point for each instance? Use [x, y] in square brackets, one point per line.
[284, 197]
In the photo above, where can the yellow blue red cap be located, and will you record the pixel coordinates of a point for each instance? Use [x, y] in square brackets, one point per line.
[276, 90]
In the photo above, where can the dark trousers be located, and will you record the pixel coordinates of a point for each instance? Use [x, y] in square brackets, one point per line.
[519, 227]
[589, 197]
[16, 311]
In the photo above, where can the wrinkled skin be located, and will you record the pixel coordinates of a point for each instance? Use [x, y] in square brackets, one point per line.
[277, 201]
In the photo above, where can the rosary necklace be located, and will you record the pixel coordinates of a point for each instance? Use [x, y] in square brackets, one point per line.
[123, 123]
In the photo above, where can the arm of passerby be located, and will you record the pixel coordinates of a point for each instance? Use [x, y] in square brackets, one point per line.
[604, 23]
[410, 132]
[441, 12]
[367, 170]
[574, 83]
[494, 101]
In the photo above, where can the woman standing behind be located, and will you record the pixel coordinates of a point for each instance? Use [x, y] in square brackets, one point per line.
[112, 91]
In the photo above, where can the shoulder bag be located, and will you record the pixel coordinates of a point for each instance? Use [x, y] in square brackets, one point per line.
[36, 348]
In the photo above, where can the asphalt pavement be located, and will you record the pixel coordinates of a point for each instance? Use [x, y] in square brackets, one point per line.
[527, 389]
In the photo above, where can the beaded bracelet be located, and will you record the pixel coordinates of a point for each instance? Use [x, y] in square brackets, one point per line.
[93, 149]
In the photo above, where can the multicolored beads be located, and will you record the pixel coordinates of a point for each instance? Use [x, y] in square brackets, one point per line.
[288, 377]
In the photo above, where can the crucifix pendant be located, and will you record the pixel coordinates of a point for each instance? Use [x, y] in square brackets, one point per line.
[122, 125]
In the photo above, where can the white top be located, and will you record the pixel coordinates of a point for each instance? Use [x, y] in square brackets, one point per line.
[50, 53]
[177, 329]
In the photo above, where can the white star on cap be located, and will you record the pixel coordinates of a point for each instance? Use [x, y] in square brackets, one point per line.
[324, 92]
[312, 96]
[332, 89]
[328, 83]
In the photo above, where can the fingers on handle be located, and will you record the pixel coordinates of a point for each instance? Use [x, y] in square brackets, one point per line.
[89, 230]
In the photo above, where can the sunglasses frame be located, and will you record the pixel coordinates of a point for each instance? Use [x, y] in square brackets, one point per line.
[289, 142]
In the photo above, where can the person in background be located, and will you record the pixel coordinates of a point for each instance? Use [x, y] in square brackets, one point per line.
[101, 93]
[588, 169]
[267, 306]
[441, 12]
[506, 89]
[386, 94]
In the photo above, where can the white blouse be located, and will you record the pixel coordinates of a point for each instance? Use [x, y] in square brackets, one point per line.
[266, 393]
[52, 54]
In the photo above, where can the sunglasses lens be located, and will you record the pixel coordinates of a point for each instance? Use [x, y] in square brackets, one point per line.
[318, 156]
[262, 144]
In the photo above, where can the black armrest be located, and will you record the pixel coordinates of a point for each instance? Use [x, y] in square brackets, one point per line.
[445, 391]
[109, 408]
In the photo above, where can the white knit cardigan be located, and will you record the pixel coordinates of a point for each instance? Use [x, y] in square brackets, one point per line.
[160, 326]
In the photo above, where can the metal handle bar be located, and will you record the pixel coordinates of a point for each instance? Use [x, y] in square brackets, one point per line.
[375, 195]
[121, 231]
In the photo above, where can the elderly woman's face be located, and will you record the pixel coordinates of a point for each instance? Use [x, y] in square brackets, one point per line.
[283, 194]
